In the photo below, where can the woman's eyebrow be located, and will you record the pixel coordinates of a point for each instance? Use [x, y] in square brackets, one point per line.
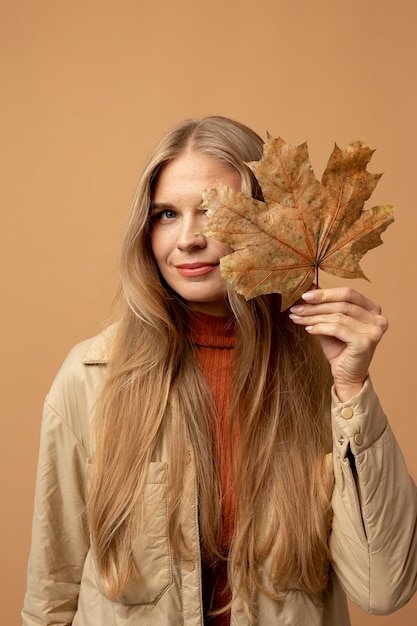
[161, 205]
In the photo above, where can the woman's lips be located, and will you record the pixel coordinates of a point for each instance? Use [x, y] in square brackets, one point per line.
[195, 269]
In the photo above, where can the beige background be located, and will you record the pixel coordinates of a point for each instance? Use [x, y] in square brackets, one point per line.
[87, 88]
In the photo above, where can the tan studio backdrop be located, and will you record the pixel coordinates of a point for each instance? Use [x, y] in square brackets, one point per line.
[87, 87]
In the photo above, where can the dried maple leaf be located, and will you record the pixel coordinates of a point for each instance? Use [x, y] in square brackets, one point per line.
[302, 225]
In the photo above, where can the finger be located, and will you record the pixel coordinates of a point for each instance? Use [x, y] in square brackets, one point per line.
[331, 324]
[334, 321]
[341, 294]
[348, 330]
[343, 309]
[338, 318]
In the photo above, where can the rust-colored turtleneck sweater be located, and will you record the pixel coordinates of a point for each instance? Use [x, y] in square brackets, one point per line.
[214, 338]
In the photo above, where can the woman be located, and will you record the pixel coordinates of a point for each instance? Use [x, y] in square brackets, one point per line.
[208, 460]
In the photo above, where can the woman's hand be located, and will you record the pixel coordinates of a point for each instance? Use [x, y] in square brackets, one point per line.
[349, 327]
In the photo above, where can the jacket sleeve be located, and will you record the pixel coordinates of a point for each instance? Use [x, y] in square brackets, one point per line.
[374, 536]
[59, 531]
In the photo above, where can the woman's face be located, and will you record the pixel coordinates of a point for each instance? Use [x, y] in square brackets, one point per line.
[188, 261]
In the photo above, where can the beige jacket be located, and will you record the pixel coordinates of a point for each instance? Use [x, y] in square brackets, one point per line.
[373, 540]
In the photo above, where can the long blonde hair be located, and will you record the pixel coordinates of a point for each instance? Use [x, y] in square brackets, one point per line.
[279, 407]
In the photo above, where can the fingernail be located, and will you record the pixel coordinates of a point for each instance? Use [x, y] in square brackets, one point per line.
[310, 296]
[297, 309]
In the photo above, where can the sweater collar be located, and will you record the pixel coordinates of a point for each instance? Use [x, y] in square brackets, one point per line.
[210, 331]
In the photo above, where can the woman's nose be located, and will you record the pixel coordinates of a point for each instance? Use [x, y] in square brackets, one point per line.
[189, 235]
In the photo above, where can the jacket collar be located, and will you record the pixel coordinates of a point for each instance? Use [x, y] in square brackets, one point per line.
[100, 347]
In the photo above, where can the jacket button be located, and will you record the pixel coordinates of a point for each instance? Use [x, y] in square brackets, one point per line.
[189, 566]
[346, 412]
[358, 438]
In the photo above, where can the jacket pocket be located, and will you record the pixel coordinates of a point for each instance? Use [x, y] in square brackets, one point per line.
[151, 550]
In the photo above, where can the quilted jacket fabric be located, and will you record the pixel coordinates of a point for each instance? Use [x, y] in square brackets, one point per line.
[373, 540]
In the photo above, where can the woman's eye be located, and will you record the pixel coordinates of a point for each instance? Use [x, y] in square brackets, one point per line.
[164, 216]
